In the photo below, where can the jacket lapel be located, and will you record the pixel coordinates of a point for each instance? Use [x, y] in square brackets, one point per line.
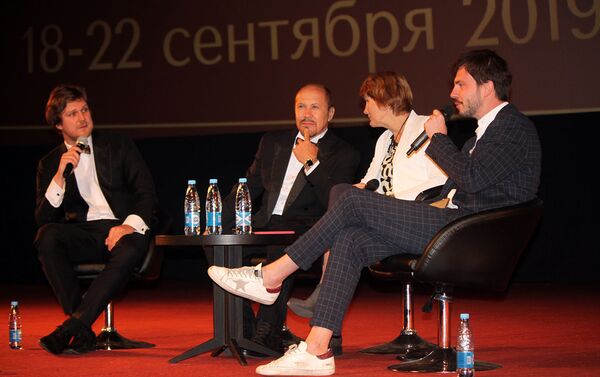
[281, 156]
[324, 151]
[103, 162]
[297, 188]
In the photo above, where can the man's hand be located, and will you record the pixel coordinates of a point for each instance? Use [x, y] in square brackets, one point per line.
[360, 185]
[115, 234]
[435, 123]
[305, 149]
[69, 157]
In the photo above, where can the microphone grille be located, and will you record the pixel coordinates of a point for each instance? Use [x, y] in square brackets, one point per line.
[448, 111]
[372, 185]
[82, 141]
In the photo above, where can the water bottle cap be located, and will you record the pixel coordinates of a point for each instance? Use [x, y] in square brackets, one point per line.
[14, 303]
[243, 180]
[191, 181]
[464, 315]
[212, 180]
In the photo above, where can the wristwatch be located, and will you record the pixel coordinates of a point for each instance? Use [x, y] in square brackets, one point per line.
[308, 164]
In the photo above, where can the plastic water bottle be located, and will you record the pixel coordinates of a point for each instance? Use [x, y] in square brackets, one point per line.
[465, 358]
[243, 208]
[213, 208]
[191, 208]
[14, 326]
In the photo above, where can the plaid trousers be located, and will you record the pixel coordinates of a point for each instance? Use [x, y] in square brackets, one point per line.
[361, 228]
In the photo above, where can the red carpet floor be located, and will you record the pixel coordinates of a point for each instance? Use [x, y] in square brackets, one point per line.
[533, 330]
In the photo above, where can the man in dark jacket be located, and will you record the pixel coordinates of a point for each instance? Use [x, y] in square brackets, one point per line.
[95, 202]
[292, 173]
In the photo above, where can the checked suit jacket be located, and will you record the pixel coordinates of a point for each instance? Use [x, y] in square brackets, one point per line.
[503, 169]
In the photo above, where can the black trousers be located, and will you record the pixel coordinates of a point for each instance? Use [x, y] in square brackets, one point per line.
[60, 246]
[276, 313]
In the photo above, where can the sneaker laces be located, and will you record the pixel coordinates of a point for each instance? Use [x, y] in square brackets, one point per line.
[244, 273]
[292, 350]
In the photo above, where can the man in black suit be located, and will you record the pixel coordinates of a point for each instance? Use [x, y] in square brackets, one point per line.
[292, 173]
[498, 167]
[93, 204]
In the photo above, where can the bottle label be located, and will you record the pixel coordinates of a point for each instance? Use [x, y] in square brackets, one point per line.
[213, 219]
[14, 336]
[243, 219]
[465, 359]
[192, 219]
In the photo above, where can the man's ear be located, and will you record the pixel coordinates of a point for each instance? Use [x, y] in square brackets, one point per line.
[331, 113]
[489, 88]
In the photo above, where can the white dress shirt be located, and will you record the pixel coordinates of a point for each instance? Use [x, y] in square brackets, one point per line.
[90, 191]
[484, 122]
[293, 168]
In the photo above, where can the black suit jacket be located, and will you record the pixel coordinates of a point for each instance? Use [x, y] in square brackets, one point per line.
[504, 168]
[122, 173]
[307, 201]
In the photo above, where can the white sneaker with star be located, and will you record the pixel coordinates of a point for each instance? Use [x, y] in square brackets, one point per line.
[245, 282]
[298, 362]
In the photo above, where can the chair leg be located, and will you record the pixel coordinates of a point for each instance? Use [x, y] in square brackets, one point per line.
[408, 340]
[443, 357]
[110, 339]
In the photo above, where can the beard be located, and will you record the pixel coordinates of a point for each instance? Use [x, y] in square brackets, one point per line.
[470, 106]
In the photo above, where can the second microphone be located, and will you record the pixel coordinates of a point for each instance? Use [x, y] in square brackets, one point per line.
[447, 111]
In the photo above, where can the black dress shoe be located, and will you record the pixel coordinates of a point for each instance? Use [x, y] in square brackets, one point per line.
[288, 338]
[266, 337]
[305, 308]
[83, 342]
[253, 354]
[57, 341]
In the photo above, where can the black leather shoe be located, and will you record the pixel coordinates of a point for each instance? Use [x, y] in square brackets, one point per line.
[266, 337]
[83, 342]
[335, 344]
[305, 308]
[57, 341]
[253, 354]
[288, 338]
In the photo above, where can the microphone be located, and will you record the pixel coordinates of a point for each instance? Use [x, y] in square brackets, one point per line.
[447, 111]
[372, 185]
[82, 143]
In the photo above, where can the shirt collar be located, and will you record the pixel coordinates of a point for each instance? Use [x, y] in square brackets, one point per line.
[484, 122]
[315, 139]
[89, 140]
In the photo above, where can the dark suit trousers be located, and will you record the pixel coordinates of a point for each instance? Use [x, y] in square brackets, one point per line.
[62, 245]
[361, 228]
[276, 313]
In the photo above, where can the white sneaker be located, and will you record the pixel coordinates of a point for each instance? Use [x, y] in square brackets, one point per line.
[298, 362]
[246, 282]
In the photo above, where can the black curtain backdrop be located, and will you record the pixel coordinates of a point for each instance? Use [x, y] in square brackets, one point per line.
[563, 250]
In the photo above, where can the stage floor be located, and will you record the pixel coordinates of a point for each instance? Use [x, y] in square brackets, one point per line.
[532, 330]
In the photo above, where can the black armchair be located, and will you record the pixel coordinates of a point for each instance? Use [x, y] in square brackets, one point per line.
[477, 251]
